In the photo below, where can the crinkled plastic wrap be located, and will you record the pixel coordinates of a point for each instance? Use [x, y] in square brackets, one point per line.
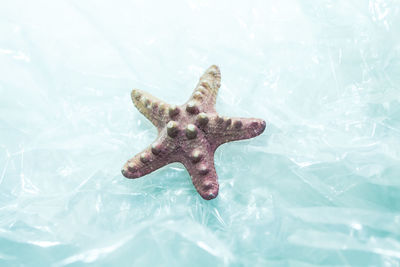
[321, 186]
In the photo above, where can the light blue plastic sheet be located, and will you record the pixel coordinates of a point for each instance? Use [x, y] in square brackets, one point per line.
[321, 186]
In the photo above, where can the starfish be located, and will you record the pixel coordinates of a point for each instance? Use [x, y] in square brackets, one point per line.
[189, 134]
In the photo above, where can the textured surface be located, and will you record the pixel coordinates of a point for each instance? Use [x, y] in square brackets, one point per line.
[189, 134]
[320, 187]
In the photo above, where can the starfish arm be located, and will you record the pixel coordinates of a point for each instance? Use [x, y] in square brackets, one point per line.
[202, 171]
[205, 93]
[154, 109]
[157, 155]
[227, 129]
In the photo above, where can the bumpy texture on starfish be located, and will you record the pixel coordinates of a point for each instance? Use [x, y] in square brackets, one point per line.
[190, 134]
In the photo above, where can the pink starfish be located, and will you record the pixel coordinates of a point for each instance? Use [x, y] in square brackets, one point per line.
[189, 134]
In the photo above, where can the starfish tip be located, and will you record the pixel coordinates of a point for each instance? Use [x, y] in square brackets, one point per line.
[210, 194]
[136, 95]
[258, 126]
[128, 174]
[263, 124]
[214, 68]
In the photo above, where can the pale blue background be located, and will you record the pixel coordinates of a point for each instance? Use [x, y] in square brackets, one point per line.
[320, 187]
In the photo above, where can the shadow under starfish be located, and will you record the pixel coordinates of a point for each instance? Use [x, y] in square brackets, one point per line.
[189, 134]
